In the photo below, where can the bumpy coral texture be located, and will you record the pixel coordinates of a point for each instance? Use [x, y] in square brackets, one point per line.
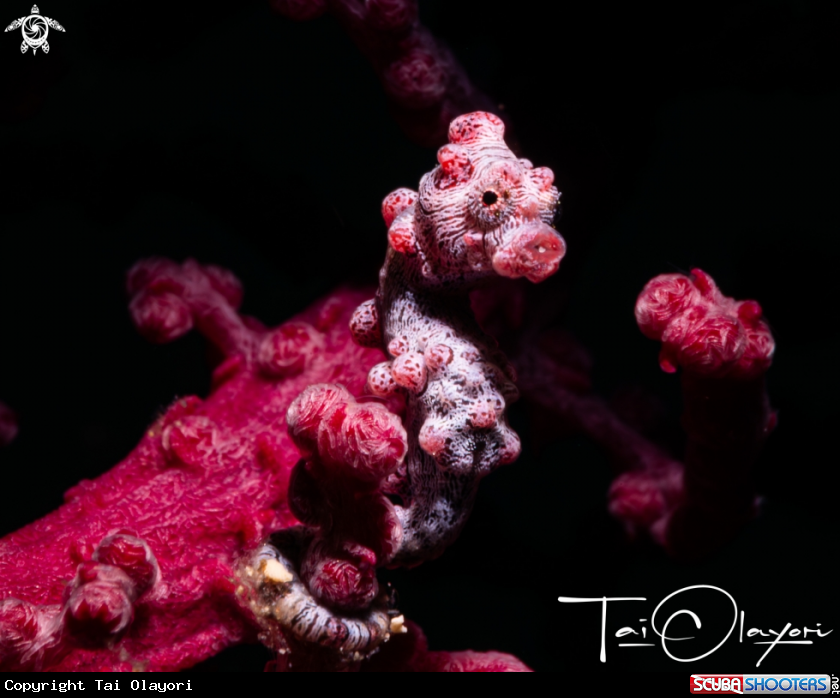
[724, 348]
[139, 569]
[481, 212]
[369, 491]
[702, 330]
[162, 562]
[352, 447]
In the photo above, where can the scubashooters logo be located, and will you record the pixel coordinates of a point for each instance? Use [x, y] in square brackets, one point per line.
[738, 684]
[35, 28]
[663, 633]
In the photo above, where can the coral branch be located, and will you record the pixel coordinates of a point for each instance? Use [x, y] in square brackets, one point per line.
[153, 550]
[425, 84]
[168, 299]
[724, 348]
[550, 384]
[481, 212]
[350, 450]
[163, 562]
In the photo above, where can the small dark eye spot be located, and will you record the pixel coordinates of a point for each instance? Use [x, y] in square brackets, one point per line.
[489, 198]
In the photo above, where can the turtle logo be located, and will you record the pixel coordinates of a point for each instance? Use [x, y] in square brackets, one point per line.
[35, 28]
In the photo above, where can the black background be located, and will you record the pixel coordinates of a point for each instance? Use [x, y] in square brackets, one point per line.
[702, 135]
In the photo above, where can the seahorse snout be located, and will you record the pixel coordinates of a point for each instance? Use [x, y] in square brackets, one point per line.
[534, 252]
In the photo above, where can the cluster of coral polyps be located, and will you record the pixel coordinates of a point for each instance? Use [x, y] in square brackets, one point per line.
[703, 331]
[349, 450]
[724, 348]
[374, 493]
[141, 568]
[214, 530]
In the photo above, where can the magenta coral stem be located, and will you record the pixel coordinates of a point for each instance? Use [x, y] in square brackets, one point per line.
[726, 423]
[206, 485]
[724, 347]
[163, 561]
[588, 414]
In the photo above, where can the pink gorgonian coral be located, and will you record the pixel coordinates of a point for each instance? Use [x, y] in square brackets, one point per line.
[702, 330]
[723, 347]
[263, 511]
[140, 568]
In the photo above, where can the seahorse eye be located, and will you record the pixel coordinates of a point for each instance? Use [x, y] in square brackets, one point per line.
[490, 197]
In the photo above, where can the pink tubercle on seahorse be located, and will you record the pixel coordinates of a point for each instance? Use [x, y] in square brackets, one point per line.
[481, 212]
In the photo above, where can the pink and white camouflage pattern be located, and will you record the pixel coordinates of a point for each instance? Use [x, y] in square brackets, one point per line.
[481, 212]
